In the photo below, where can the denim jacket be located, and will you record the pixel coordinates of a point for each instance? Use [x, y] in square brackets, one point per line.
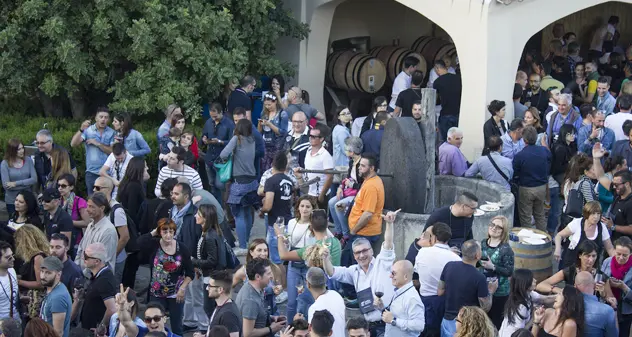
[606, 138]
[95, 158]
[599, 318]
[625, 302]
[222, 131]
[135, 144]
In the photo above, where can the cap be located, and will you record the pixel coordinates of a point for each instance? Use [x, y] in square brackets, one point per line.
[50, 194]
[52, 263]
[316, 277]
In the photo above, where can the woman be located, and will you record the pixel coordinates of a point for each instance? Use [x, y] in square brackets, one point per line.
[565, 319]
[60, 165]
[133, 140]
[31, 247]
[582, 172]
[579, 85]
[186, 142]
[495, 125]
[17, 172]
[178, 121]
[498, 262]
[532, 118]
[278, 89]
[519, 305]
[563, 150]
[362, 124]
[348, 188]
[273, 127]
[36, 327]
[170, 269]
[612, 165]
[118, 330]
[340, 134]
[617, 268]
[243, 191]
[473, 322]
[74, 205]
[588, 228]
[26, 211]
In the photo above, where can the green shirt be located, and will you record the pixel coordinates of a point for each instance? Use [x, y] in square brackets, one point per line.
[334, 250]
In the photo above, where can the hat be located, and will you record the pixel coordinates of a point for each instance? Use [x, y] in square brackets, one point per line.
[50, 194]
[316, 277]
[52, 263]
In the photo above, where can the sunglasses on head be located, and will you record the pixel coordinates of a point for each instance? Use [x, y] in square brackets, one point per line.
[155, 319]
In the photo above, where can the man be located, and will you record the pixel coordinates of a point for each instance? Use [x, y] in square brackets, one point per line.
[494, 167]
[325, 300]
[573, 57]
[59, 246]
[322, 324]
[116, 165]
[621, 209]
[100, 231]
[624, 147]
[554, 97]
[599, 318]
[155, 317]
[277, 202]
[9, 305]
[451, 159]
[97, 304]
[250, 301]
[459, 216]
[565, 114]
[559, 69]
[372, 138]
[592, 76]
[297, 140]
[240, 97]
[448, 88]
[429, 264]
[296, 104]
[217, 132]
[318, 158]
[536, 97]
[176, 168]
[584, 111]
[603, 35]
[531, 167]
[118, 218]
[300, 328]
[404, 316]
[226, 312]
[605, 102]
[512, 142]
[406, 98]
[358, 327]
[615, 122]
[10, 327]
[369, 274]
[56, 306]
[42, 163]
[98, 139]
[56, 220]
[588, 135]
[416, 112]
[463, 285]
[519, 108]
[365, 216]
[403, 80]
[547, 80]
[522, 79]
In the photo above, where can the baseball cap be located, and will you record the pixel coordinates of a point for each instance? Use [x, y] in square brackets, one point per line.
[52, 263]
[316, 277]
[50, 194]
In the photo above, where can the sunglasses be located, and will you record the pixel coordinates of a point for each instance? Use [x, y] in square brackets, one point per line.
[156, 319]
[62, 185]
[99, 188]
[86, 257]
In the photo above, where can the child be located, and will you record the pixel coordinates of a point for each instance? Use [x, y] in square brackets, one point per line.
[167, 143]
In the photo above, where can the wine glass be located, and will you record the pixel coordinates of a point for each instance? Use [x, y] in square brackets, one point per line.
[379, 292]
[299, 286]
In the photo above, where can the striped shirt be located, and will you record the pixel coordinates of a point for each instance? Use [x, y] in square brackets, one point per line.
[187, 172]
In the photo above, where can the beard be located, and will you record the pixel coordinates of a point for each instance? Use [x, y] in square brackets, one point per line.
[47, 283]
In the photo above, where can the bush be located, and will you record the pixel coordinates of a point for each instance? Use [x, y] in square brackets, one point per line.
[25, 129]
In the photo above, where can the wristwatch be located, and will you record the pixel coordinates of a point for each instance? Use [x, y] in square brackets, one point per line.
[393, 323]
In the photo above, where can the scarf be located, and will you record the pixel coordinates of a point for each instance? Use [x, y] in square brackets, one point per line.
[178, 215]
[68, 203]
[618, 271]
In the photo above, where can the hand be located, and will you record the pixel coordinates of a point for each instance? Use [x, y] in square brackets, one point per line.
[615, 283]
[214, 141]
[277, 289]
[10, 184]
[378, 303]
[538, 314]
[288, 331]
[598, 151]
[297, 172]
[595, 133]
[492, 286]
[387, 317]
[487, 264]
[339, 194]
[92, 141]
[85, 125]
[324, 253]
[77, 294]
[277, 326]
[612, 301]
[121, 299]
[600, 288]
[390, 216]
[557, 254]
[608, 222]
[180, 295]
[198, 272]
[154, 232]
[204, 139]
[198, 334]
[348, 183]
[278, 230]
[277, 92]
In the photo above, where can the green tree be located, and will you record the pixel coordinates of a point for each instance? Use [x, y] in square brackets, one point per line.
[136, 55]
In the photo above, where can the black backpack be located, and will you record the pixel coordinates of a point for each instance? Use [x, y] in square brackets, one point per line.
[227, 258]
[132, 244]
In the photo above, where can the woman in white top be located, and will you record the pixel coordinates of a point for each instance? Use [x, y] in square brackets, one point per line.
[587, 228]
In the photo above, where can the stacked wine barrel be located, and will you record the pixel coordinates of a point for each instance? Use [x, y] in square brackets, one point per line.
[393, 58]
[433, 49]
[350, 70]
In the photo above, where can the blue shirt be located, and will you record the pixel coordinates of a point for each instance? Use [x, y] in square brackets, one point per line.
[511, 148]
[222, 131]
[57, 301]
[114, 324]
[606, 103]
[163, 130]
[483, 166]
[95, 158]
[372, 140]
[606, 138]
[532, 166]
[142, 331]
[340, 134]
[135, 144]
[622, 148]
[599, 318]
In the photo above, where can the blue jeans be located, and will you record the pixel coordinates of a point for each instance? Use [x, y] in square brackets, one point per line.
[243, 224]
[295, 276]
[556, 210]
[445, 123]
[176, 312]
[90, 179]
[448, 328]
[217, 186]
[273, 248]
[304, 301]
[341, 223]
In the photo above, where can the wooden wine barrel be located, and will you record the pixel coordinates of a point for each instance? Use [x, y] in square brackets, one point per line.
[537, 258]
[351, 70]
[432, 48]
[393, 58]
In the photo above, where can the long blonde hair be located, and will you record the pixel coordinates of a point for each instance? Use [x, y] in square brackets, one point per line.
[30, 241]
[60, 163]
[475, 323]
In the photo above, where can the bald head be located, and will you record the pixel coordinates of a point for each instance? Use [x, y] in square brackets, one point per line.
[402, 273]
[585, 283]
[104, 185]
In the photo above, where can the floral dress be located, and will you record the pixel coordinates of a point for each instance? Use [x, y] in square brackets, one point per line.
[167, 274]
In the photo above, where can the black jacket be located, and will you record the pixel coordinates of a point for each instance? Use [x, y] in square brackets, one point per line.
[190, 232]
[561, 156]
[132, 198]
[210, 252]
[490, 128]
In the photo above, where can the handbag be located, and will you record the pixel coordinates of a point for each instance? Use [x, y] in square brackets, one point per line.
[575, 201]
[224, 169]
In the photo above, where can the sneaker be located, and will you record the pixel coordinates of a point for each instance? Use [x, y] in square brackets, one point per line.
[240, 251]
[282, 297]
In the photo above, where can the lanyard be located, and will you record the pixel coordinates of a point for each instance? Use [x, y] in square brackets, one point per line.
[213, 315]
[9, 297]
[398, 295]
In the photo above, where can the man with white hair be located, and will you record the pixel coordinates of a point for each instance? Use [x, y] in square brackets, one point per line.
[42, 162]
[564, 115]
[599, 318]
[451, 159]
[595, 132]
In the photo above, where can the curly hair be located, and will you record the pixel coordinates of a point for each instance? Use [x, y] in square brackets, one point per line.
[29, 241]
[475, 323]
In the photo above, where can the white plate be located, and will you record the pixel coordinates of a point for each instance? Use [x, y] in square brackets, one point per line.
[494, 203]
[478, 212]
[489, 208]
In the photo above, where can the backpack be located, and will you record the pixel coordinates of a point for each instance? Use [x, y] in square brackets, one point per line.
[132, 244]
[227, 258]
[575, 201]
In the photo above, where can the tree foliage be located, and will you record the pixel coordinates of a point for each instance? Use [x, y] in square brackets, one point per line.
[136, 55]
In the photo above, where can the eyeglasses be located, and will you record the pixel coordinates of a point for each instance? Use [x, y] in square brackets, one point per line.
[86, 257]
[208, 286]
[156, 319]
[315, 136]
[99, 188]
[495, 226]
[41, 143]
[62, 185]
[360, 252]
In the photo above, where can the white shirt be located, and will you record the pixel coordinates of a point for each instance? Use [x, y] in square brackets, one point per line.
[5, 294]
[575, 227]
[408, 311]
[300, 235]
[429, 265]
[401, 83]
[378, 275]
[120, 220]
[356, 127]
[600, 36]
[332, 302]
[117, 170]
[615, 122]
[192, 175]
[322, 160]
